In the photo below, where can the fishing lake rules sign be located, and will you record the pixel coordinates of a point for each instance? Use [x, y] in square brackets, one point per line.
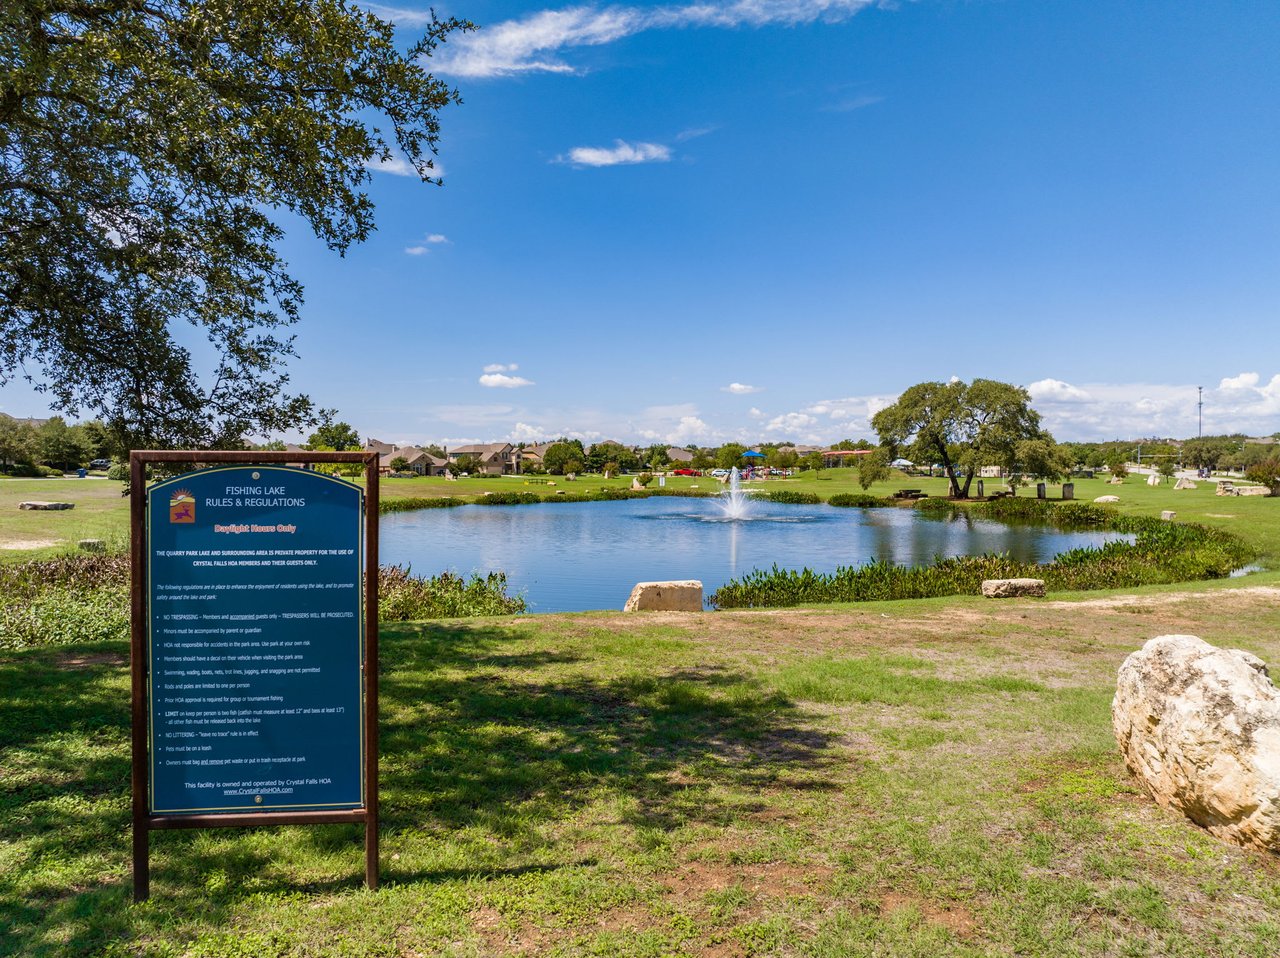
[255, 642]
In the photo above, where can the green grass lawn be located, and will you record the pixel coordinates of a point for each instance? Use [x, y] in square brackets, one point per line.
[100, 513]
[931, 778]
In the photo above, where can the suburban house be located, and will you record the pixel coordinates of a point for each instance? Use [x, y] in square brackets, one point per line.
[419, 461]
[532, 455]
[678, 457]
[494, 458]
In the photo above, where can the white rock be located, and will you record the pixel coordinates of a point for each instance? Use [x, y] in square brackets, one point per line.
[1199, 727]
[1252, 491]
[683, 596]
[1153, 479]
[1184, 484]
[1168, 515]
[1107, 499]
[1011, 588]
[42, 506]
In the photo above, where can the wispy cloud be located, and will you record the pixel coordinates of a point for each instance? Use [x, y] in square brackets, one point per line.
[849, 104]
[534, 43]
[741, 389]
[693, 134]
[424, 247]
[397, 164]
[503, 381]
[620, 154]
[501, 368]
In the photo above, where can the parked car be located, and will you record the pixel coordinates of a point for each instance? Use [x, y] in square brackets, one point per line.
[100, 464]
[686, 472]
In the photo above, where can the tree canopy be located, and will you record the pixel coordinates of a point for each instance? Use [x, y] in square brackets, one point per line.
[147, 148]
[963, 426]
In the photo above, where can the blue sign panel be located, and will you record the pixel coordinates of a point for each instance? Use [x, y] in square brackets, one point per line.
[256, 641]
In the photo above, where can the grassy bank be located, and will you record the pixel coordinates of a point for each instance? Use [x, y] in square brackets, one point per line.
[935, 778]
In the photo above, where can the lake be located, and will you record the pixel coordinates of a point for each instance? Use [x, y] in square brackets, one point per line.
[568, 557]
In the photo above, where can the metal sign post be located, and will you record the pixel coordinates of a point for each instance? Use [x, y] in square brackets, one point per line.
[254, 646]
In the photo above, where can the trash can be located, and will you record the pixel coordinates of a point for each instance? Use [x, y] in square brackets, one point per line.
[81, 473]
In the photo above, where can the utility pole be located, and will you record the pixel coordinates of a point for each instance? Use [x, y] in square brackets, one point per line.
[1200, 412]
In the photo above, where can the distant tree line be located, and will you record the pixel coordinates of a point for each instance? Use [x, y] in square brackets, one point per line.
[32, 448]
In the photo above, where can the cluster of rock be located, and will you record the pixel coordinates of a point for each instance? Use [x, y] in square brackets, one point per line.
[1199, 727]
[1228, 488]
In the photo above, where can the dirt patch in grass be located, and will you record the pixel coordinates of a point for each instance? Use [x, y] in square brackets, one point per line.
[88, 660]
[1169, 598]
[955, 917]
[26, 544]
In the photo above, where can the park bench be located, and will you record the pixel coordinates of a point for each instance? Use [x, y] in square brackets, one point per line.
[909, 494]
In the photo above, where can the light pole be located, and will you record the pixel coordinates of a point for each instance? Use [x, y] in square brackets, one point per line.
[1200, 412]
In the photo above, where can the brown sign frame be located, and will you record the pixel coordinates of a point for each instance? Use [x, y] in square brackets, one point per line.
[144, 822]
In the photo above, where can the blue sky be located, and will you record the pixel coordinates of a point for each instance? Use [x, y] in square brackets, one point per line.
[762, 220]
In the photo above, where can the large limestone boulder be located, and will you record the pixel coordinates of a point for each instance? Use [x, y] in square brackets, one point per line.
[42, 506]
[1012, 588]
[665, 597]
[1184, 484]
[1107, 499]
[1199, 727]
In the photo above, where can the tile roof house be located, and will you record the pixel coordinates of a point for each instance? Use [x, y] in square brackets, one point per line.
[676, 454]
[419, 461]
[495, 458]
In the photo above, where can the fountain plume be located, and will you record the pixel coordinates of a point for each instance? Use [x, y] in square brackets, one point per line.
[735, 503]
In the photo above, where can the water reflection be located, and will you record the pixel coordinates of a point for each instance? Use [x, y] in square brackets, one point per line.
[571, 556]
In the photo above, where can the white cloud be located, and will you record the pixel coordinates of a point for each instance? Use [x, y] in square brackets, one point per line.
[740, 389]
[790, 422]
[688, 429]
[1241, 403]
[1055, 390]
[533, 44]
[501, 368]
[620, 154]
[755, 413]
[1242, 382]
[524, 432]
[424, 247]
[503, 381]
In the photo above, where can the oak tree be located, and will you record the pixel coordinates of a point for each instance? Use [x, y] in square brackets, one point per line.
[149, 151]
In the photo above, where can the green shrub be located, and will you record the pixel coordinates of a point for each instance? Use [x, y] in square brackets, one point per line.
[403, 596]
[118, 471]
[858, 500]
[411, 503]
[792, 497]
[509, 499]
[935, 504]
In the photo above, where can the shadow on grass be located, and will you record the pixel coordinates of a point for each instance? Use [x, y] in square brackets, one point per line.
[482, 734]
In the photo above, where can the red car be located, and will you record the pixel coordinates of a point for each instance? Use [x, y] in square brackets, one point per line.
[686, 472]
